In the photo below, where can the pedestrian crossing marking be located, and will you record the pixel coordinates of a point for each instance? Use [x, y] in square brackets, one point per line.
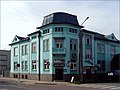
[100, 86]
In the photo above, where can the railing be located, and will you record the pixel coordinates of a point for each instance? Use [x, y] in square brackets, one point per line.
[59, 50]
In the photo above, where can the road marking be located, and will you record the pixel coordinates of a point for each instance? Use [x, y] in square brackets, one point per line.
[108, 87]
[116, 88]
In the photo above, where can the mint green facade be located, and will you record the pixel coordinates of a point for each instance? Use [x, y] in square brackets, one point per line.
[57, 51]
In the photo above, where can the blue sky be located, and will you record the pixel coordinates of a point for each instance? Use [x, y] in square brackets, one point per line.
[22, 17]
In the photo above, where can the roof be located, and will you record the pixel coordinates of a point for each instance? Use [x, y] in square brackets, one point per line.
[60, 18]
[34, 33]
[99, 36]
[20, 38]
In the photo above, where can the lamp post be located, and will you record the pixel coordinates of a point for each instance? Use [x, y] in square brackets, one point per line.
[81, 53]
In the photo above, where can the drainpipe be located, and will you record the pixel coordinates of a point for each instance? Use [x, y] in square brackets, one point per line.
[39, 55]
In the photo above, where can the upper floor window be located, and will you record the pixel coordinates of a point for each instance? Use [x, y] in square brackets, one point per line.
[58, 29]
[88, 53]
[59, 43]
[112, 49]
[24, 49]
[46, 31]
[46, 45]
[15, 51]
[33, 47]
[88, 39]
[72, 30]
[100, 48]
[73, 44]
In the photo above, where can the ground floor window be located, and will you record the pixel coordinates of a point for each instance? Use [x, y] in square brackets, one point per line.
[34, 65]
[102, 65]
[73, 66]
[46, 65]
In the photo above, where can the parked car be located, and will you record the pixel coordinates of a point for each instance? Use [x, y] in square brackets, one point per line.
[114, 76]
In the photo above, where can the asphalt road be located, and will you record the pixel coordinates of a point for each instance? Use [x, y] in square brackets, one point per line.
[98, 86]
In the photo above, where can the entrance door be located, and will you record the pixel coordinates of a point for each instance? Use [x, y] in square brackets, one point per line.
[88, 73]
[59, 73]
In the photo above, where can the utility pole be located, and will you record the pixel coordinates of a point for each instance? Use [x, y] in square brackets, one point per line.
[81, 52]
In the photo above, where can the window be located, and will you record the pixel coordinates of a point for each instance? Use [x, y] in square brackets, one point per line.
[112, 49]
[88, 53]
[15, 51]
[34, 65]
[46, 64]
[73, 44]
[23, 50]
[58, 29]
[26, 49]
[26, 65]
[15, 66]
[88, 39]
[59, 44]
[46, 31]
[46, 45]
[100, 48]
[102, 65]
[72, 30]
[34, 47]
[73, 66]
[33, 37]
[23, 65]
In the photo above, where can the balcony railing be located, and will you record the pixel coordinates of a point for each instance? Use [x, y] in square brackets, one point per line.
[59, 51]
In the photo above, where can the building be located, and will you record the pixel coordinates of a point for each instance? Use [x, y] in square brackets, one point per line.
[4, 63]
[55, 51]
[96, 53]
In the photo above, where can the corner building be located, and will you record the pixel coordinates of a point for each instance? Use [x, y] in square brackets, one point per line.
[56, 51]
[50, 53]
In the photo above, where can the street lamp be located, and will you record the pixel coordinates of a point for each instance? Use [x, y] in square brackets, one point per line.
[81, 54]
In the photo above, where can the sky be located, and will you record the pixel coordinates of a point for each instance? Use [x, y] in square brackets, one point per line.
[21, 17]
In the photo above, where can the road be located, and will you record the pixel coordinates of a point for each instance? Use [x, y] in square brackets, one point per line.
[96, 86]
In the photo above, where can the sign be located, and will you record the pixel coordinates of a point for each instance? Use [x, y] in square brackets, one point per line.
[59, 63]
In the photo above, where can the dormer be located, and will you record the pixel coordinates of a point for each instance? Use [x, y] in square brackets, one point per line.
[17, 39]
[111, 37]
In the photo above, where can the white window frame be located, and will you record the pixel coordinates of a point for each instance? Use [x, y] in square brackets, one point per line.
[15, 66]
[46, 65]
[34, 65]
[74, 66]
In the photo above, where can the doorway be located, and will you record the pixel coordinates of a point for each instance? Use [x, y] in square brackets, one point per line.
[88, 73]
[59, 73]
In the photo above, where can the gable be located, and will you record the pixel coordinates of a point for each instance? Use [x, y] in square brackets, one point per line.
[17, 39]
[111, 37]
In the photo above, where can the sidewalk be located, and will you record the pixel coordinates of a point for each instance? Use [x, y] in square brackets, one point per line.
[27, 81]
